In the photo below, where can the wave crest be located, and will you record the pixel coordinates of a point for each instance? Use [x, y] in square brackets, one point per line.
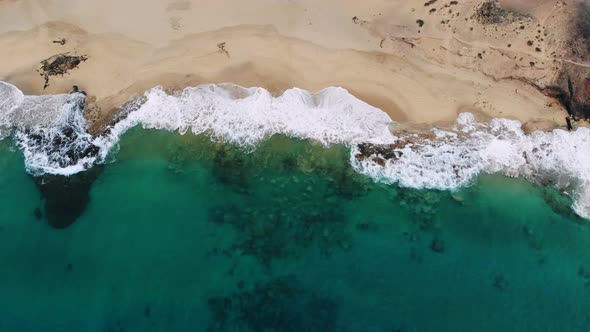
[246, 116]
[51, 132]
[451, 159]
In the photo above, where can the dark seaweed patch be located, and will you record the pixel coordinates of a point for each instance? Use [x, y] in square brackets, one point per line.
[59, 64]
[37, 213]
[277, 305]
[421, 206]
[231, 169]
[278, 233]
[350, 186]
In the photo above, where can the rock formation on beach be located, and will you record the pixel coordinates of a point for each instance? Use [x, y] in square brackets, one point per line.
[573, 81]
[59, 64]
[545, 45]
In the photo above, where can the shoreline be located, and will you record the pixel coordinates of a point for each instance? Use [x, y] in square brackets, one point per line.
[418, 76]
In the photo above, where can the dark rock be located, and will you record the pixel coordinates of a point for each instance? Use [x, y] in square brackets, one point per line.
[289, 164]
[267, 233]
[385, 151]
[38, 214]
[500, 282]
[568, 121]
[572, 91]
[232, 169]
[147, 311]
[66, 197]
[572, 85]
[578, 93]
[379, 161]
[367, 226]
[437, 245]
[280, 304]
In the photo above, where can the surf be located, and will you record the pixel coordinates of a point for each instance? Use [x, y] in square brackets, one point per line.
[51, 132]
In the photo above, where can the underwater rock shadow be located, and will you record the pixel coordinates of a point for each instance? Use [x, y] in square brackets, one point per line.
[280, 304]
[66, 197]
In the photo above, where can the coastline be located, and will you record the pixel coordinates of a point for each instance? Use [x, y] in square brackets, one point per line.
[294, 165]
[424, 76]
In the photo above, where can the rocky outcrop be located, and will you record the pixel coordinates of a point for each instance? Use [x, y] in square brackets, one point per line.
[490, 12]
[572, 89]
[564, 37]
[68, 144]
[572, 86]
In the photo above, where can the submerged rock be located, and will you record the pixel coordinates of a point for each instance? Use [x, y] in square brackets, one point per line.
[66, 197]
[231, 168]
[280, 304]
[500, 282]
[63, 146]
[38, 214]
[437, 245]
[282, 231]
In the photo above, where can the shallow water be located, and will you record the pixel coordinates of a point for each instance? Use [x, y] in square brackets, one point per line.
[184, 234]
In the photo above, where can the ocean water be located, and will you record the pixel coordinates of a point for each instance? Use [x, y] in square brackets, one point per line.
[223, 208]
[185, 234]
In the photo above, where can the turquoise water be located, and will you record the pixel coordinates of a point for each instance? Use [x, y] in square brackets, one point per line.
[182, 234]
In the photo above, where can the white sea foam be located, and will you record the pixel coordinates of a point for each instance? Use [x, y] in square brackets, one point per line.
[454, 158]
[246, 116]
[51, 132]
[10, 98]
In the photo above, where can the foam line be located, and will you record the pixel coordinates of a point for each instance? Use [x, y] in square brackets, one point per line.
[51, 132]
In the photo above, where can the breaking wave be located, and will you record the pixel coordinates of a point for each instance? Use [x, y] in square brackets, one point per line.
[51, 132]
[449, 159]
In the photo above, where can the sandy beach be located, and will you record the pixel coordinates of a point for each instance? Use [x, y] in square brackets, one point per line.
[421, 63]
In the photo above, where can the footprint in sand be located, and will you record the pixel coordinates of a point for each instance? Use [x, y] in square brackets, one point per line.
[181, 5]
[175, 23]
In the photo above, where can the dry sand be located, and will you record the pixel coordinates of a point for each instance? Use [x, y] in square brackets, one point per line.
[373, 48]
